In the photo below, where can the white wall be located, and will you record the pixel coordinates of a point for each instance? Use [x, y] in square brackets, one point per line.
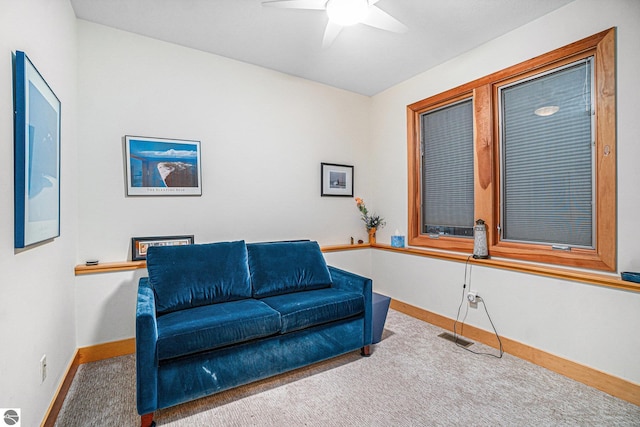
[587, 324]
[358, 262]
[106, 306]
[36, 286]
[263, 136]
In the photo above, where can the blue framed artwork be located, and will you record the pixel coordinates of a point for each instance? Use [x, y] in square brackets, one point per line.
[36, 155]
[162, 167]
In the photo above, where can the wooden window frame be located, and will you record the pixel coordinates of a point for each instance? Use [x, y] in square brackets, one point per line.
[487, 158]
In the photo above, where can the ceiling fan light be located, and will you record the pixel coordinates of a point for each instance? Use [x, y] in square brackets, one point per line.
[347, 12]
[548, 110]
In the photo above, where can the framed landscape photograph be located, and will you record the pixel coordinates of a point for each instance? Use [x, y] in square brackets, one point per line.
[36, 156]
[336, 180]
[140, 245]
[162, 167]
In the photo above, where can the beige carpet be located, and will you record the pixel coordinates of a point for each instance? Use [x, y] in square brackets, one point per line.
[413, 378]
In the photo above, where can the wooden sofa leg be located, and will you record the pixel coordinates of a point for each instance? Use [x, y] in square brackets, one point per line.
[146, 420]
[366, 351]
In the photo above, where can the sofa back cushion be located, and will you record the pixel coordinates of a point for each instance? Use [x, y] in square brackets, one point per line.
[283, 267]
[195, 275]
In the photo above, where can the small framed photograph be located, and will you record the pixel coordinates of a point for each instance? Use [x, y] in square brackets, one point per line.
[36, 156]
[140, 245]
[336, 180]
[162, 167]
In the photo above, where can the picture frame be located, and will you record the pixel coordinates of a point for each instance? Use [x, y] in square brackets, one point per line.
[336, 180]
[162, 167]
[36, 155]
[140, 245]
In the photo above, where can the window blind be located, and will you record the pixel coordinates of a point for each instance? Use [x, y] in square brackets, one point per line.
[447, 163]
[547, 174]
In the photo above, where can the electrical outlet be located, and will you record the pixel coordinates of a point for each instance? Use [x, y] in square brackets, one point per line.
[472, 296]
[43, 368]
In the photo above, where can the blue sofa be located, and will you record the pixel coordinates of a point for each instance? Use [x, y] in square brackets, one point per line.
[215, 316]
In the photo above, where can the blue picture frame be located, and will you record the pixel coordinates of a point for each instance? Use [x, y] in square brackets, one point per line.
[36, 155]
[162, 167]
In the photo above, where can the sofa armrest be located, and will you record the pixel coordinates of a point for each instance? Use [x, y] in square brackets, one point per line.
[355, 283]
[146, 354]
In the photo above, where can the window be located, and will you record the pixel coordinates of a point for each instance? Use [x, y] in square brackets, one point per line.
[529, 149]
[547, 156]
[447, 161]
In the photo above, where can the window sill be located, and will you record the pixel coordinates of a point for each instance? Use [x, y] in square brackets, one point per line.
[610, 281]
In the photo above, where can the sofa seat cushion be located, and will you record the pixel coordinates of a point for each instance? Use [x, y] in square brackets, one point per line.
[212, 326]
[194, 275]
[283, 267]
[300, 310]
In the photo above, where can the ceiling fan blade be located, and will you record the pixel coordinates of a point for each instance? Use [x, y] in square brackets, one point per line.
[378, 18]
[330, 34]
[296, 4]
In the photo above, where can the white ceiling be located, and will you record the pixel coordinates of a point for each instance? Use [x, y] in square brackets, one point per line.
[362, 59]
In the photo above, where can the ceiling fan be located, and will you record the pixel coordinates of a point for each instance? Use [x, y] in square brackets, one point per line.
[343, 13]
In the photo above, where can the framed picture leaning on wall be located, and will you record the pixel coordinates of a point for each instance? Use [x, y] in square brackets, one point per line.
[140, 245]
[36, 155]
[162, 167]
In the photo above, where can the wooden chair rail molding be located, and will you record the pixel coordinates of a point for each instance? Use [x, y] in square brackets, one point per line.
[608, 280]
[110, 267]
